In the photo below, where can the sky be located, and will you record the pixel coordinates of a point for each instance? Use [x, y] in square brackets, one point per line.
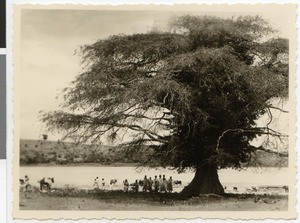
[49, 39]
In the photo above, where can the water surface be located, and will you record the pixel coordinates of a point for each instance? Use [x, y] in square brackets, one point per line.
[83, 176]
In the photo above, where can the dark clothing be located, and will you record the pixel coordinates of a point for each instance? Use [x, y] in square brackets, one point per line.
[169, 186]
[42, 182]
[156, 185]
[145, 184]
[150, 184]
[136, 187]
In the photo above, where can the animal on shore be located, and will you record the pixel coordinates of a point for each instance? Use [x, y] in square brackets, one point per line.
[45, 184]
[24, 183]
[113, 181]
[252, 189]
[177, 182]
[286, 189]
[235, 189]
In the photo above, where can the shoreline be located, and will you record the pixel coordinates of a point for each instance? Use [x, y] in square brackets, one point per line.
[70, 199]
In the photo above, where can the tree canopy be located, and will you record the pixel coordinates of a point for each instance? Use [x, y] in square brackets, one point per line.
[191, 95]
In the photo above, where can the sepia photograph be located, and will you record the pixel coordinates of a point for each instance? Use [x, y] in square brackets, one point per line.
[183, 110]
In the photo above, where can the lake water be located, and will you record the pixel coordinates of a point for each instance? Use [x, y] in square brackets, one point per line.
[83, 176]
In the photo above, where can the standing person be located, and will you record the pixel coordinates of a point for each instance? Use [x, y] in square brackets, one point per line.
[150, 184]
[126, 186]
[22, 185]
[164, 184]
[26, 181]
[160, 181]
[103, 184]
[42, 182]
[136, 186]
[96, 183]
[145, 184]
[111, 186]
[170, 185]
[156, 184]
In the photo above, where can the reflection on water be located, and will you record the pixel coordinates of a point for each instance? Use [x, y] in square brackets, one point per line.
[83, 176]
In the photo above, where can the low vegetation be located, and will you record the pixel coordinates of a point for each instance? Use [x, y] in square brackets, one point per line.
[33, 152]
[76, 199]
[50, 152]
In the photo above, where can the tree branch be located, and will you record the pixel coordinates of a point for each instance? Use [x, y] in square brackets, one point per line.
[260, 148]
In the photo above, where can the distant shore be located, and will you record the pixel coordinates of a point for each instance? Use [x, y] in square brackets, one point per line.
[134, 165]
[82, 164]
[52, 153]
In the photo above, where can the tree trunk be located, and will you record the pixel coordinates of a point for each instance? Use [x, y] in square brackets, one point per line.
[206, 181]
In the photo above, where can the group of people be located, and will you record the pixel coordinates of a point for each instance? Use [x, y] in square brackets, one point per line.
[44, 183]
[97, 183]
[158, 184]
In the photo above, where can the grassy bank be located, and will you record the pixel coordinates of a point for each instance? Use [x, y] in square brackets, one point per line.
[44, 152]
[74, 199]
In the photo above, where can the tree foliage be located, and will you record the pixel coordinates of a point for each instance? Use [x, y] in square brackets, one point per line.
[192, 94]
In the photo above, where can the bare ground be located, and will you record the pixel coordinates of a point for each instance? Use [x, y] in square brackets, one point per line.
[72, 199]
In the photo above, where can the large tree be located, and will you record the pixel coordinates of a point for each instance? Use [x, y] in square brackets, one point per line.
[188, 97]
